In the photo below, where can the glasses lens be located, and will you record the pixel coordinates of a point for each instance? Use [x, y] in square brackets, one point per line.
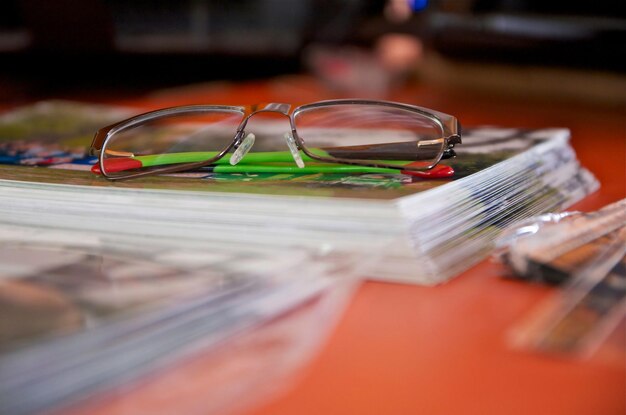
[169, 140]
[370, 134]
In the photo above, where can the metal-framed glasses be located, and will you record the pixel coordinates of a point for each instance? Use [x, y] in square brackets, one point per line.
[362, 134]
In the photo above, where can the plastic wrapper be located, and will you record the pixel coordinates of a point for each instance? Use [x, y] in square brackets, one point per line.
[586, 254]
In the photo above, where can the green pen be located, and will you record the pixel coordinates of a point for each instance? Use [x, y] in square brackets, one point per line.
[261, 162]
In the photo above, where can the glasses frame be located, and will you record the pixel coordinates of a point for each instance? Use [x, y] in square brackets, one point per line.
[449, 125]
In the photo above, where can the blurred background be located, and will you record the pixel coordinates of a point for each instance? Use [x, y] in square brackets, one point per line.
[364, 47]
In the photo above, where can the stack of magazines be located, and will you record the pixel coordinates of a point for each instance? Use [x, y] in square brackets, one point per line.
[85, 314]
[423, 231]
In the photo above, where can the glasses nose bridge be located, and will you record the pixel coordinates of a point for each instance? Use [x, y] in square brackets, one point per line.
[275, 107]
[278, 107]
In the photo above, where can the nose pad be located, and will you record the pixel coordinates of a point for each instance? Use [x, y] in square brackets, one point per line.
[293, 148]
[242, 150]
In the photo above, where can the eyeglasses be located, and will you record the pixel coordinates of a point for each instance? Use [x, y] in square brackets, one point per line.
[334, 136]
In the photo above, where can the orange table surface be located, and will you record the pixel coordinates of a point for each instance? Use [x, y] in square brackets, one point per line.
[402, 349]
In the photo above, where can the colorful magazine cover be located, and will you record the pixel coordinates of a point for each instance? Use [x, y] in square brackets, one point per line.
[57, 134]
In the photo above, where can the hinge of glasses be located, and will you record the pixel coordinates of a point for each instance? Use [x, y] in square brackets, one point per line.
[448, 153]
[454, 139]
